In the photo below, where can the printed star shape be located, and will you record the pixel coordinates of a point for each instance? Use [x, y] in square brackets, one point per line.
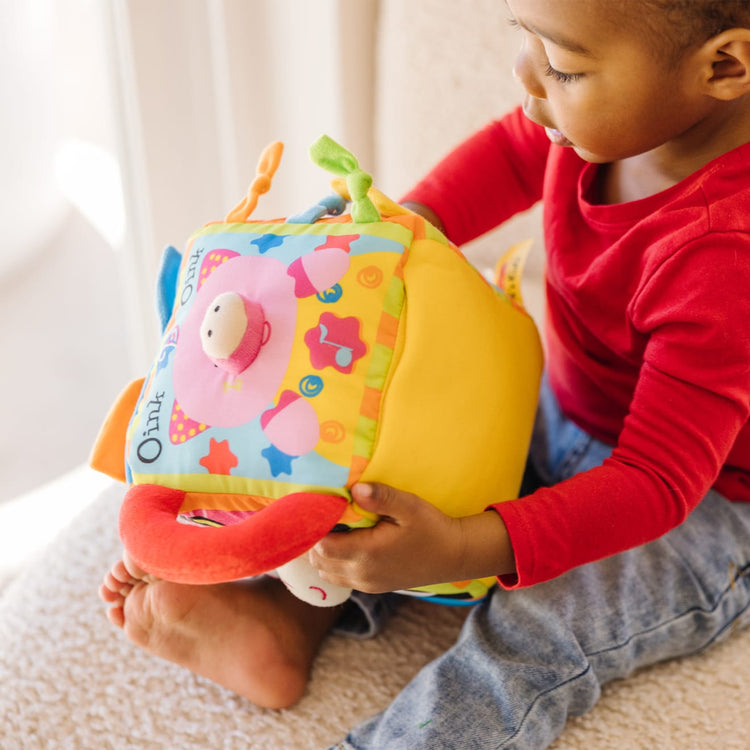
[267, 241]
[278, 461]
[220, 459]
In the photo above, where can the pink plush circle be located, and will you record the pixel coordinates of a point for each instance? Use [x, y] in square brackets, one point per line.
[212, 395]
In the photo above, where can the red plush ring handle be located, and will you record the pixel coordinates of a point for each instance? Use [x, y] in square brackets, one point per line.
[205, 554]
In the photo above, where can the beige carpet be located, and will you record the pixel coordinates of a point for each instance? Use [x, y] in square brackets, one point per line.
[69, 680]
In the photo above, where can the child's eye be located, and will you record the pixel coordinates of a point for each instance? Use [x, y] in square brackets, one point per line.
[558, 75]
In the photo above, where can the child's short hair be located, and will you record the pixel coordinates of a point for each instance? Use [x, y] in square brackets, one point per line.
[681, 24]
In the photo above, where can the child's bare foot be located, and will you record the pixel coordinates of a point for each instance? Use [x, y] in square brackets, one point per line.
[252, 637]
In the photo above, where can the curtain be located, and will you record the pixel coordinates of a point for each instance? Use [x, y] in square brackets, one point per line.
[203, 86]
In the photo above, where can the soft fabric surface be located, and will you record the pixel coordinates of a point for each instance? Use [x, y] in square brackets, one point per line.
[70, 680]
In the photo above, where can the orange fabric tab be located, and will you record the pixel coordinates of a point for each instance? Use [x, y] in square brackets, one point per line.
[267, 166]
[108, 453]
[358, 465]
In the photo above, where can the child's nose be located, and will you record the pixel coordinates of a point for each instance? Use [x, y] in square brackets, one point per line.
[523, 71]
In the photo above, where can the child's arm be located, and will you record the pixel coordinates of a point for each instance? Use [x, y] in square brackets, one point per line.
[493, 175]
[414, 544]
[426, 213]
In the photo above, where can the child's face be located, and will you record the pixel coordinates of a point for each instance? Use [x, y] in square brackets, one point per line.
[596, 84]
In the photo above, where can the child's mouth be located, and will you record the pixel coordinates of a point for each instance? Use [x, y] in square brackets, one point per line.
[557, 137]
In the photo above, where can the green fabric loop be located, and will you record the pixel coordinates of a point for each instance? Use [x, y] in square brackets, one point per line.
[358, 182]
[334, 158]
[364, 211]
[326, 153]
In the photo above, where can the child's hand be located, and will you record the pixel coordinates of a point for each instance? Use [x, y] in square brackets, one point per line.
[413, 544]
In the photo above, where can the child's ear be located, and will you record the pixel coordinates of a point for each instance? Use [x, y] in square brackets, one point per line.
[726, 59]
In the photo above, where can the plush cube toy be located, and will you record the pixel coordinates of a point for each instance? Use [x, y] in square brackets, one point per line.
[300, 356]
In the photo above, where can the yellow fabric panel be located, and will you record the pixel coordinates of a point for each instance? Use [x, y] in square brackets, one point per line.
[371, 283]
[463, 388]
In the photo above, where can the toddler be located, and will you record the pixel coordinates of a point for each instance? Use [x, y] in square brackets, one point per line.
[630, 542]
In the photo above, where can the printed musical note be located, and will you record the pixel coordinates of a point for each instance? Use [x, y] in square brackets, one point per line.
[344, 354]
[335, 342]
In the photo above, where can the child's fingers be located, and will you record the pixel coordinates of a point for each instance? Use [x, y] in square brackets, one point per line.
[384, 500]
[339, 546]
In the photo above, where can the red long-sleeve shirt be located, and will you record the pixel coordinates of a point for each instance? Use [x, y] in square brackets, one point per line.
[647, 331]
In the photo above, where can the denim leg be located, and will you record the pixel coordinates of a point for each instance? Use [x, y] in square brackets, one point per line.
[559, 448]
[365, 615]
[528, 659]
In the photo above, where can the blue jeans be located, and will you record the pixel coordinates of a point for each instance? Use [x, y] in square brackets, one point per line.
[529, 658]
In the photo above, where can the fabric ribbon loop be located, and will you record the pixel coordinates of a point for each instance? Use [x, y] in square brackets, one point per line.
[261, 184]
[334, 158]
[267, 166]
[358, 182]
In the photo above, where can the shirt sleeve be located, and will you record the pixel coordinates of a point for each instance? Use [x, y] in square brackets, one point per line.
[494, 174]
[690, 403]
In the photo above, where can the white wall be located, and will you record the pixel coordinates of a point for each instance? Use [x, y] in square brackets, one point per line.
[62, 336]
[444, 70]
[31, 205]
